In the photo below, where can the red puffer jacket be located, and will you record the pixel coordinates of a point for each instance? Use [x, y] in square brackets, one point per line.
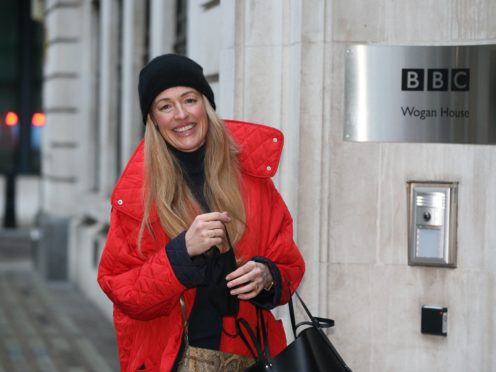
[145, 290]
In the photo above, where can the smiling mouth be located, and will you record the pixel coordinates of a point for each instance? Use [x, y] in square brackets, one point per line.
[184, 129]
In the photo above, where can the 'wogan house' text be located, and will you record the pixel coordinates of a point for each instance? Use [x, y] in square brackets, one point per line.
[442, 112]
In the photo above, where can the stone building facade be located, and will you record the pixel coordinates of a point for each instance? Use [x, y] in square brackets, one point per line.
[281, 63]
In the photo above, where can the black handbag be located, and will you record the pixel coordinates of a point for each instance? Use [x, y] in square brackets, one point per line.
[311, 350]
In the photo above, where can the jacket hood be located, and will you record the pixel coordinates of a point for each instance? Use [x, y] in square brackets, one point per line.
[260, 152]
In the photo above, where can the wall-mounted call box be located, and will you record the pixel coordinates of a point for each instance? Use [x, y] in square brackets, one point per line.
[432, 223]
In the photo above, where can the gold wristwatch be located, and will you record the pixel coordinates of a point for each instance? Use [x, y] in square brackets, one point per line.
[269, 287]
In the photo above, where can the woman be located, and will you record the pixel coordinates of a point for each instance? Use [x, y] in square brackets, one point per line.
[195, 185]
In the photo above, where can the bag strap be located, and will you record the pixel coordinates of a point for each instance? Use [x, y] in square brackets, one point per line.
[258, 353]
[315, 321]
[265, 338]
[261, 343]
[320, 323]
[260, 340]
[184, 318]
[292, 315]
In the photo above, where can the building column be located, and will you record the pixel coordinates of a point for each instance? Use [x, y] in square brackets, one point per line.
[133, 47]
[278, 71]
[63, 108]
[110, 43]
[162, 16]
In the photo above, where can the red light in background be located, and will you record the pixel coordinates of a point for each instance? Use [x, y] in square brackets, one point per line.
[11, 118]
[38, 119]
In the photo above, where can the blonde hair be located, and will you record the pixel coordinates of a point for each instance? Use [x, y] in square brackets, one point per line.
[165, 185]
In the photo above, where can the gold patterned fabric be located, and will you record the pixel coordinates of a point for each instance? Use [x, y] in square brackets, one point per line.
[196, 359]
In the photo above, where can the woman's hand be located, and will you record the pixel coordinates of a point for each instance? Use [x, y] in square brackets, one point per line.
[249, 280]
[206, 231]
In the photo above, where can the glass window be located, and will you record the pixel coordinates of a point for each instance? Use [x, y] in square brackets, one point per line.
[181, 26]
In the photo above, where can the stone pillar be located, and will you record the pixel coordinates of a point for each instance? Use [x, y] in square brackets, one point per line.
[64, 107]
[132, 59]
[278, 72]
[110, 43]
[162, 27]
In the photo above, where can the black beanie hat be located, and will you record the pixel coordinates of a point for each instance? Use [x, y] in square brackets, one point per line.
[167, 71]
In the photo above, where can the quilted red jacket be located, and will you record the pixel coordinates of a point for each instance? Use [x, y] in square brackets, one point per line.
[145, 291]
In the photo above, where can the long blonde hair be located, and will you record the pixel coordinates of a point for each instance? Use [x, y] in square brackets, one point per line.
[166, 187]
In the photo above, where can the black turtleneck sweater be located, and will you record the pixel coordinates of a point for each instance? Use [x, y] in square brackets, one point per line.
[205, 322]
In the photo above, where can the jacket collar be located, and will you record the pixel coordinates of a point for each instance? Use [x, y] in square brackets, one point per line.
[260, 151]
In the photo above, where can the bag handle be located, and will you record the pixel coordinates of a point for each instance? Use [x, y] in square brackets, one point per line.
[261, 342]
[315, 321]
[258, 353]
[318, 323]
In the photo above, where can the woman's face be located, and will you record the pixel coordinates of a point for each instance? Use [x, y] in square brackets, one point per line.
[181, 118]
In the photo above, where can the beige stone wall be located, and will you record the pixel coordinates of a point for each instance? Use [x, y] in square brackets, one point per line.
[281, 63]
[349, 199]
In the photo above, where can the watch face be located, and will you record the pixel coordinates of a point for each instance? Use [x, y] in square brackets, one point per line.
[269, 287]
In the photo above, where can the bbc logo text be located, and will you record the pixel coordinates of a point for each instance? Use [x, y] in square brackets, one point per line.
[435, 79]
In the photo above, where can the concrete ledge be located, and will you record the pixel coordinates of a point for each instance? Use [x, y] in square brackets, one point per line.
[51, 258]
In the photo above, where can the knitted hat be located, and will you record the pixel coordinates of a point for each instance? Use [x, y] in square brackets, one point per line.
[167, 71]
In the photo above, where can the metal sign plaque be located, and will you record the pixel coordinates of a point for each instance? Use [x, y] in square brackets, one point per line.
[441, 94]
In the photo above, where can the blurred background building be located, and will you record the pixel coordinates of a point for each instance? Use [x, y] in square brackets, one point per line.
[281, 63]
[21, 116]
